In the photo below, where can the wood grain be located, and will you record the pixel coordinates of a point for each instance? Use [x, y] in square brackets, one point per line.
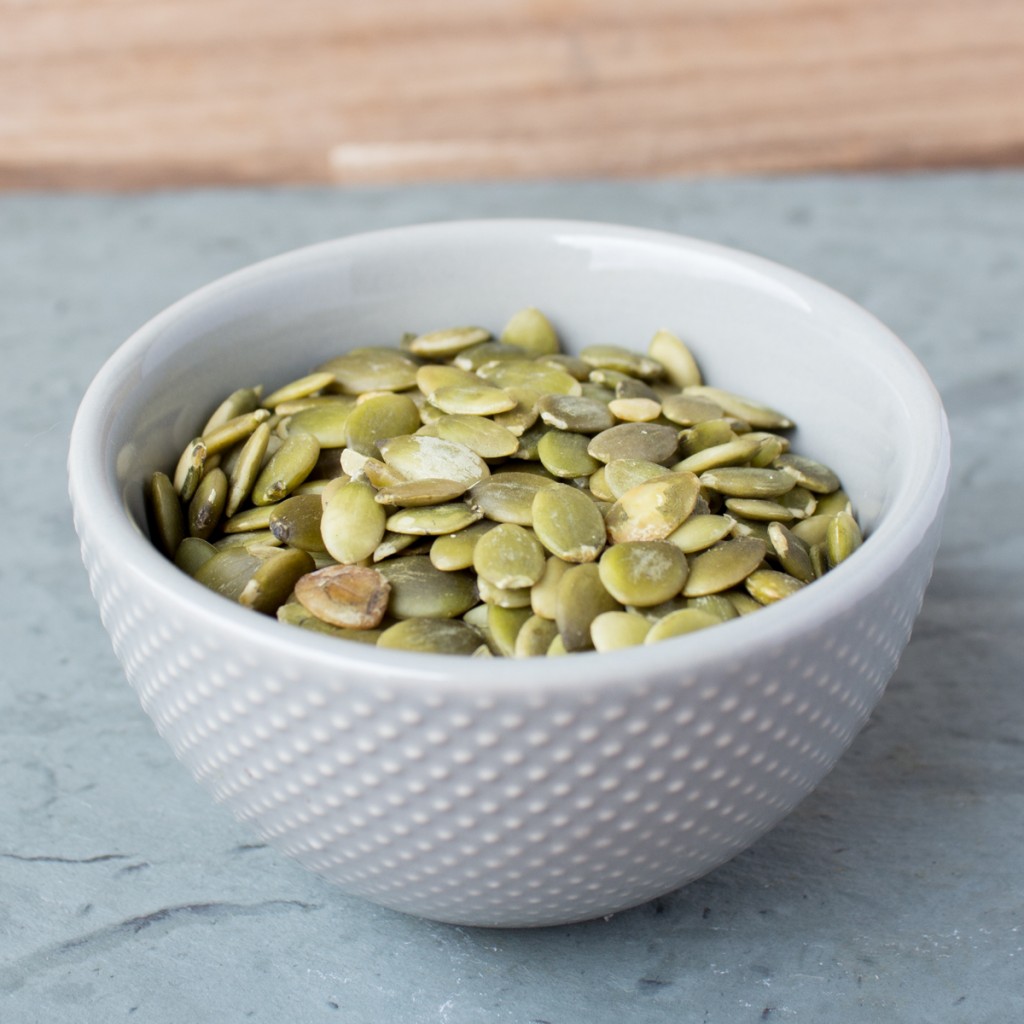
[142, 93]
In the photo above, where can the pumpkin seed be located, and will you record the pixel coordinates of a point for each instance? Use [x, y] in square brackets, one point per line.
[434, 457]
[207, 504]
[675, 357]
[328, 423]
[293, 613]
[432, 520]
[246, 468]
[273, 578]
[303, 387]
[504, 626]
[418, 589]
[379, 417]
[759, 509]
[834, 503]
[654, 509]
[507, 497]
[296, 521]
[418, 493]
[611, 631]
[189, 470]
[714, 604]
[352, 596]
[689, 410]
[793, 554]
[432, 376]
[530, 329]
[544, 593]
[635, 410]
[575, 413]
[221, 438]
[643, 573]
[813, 529]
[747, 481]
[808, 473]
[394, 543]
[842, 538]
[729, 453]
[534, 637]
[679, 623]
[486, 353]
[723, 566]
[622, 474]
[800, 501]
[249, 519]
[652, 442]
[472, 399]
[353, 522]
[488, 439]
[167, 521]
[372, 369]
[509, 556]
[453, 551]
[192, 553]
[568, 523]
[766, 586]
[564, 455]
[580, 599]
[287, 468]
[431, 635]
[236, 404]
[755, 413]
[448, 342]
[699, 532]
[621, 360]
[504, 597]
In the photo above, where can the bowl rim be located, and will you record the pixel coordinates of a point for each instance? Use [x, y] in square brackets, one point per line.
[96, 498]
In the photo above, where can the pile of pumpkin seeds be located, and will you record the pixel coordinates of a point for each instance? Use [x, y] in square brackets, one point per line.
[466, 493]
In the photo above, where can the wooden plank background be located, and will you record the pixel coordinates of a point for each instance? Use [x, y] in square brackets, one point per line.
[141, 93]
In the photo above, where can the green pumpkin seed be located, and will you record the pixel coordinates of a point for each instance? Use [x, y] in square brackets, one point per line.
[433, 520]
[236, 404]
[842, 538]
[488, 439]
[419, 590]
[564, 455]
[453, 551]
[635, 410]
[296, 521]
[207, 504]
[766, 586]
[394, 543]
[544, 593]
[699, 532]
[652, 442]
[834, 503]
[738, 450]
[575, 413]
[378, 417]
[167, 522]
[503, 597]
[192, 553]
[611, 631]
[708, 434]
[689, 410]
[246, 538]
[534, 637]
[800, 501]
[643, 573]
[760, 416]
[418, 493]
[654, 509]
[568, 523]
[573, 365]
[599, 487]
[303, 387]
[621, 360]
[808, 473]
[189, 470]
[530, 330]
[448, 342]
[624, 474]
[352, 596]
[328, 423]
[509, 556]
[504, 626]
[723, 566]
[771, 447]
[472, 399]
[581, 598]
[353, 522]
[287, 468]
[742, 527]
[672, 353]
[486, 353]
[415, 455]
[742, 602]
[431, 635]
[793, 554]
[530, 377]
[557, 647]
[507, 497]
[759, 509]
[686, 620]
[246, 468]
[293, 613]
[221, 438]
[714, 604]
[747, 481]
[432, 376]
[372, 369]
[813, 529]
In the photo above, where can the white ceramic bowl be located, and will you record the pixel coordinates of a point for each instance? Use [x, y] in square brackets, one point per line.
[508, 792]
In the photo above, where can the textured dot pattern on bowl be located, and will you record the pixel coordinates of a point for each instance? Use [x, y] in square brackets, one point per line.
[512, 792]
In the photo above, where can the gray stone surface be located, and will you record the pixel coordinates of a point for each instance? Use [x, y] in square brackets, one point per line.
[894, 893]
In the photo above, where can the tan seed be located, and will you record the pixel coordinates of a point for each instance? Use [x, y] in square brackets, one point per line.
[352, 596]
